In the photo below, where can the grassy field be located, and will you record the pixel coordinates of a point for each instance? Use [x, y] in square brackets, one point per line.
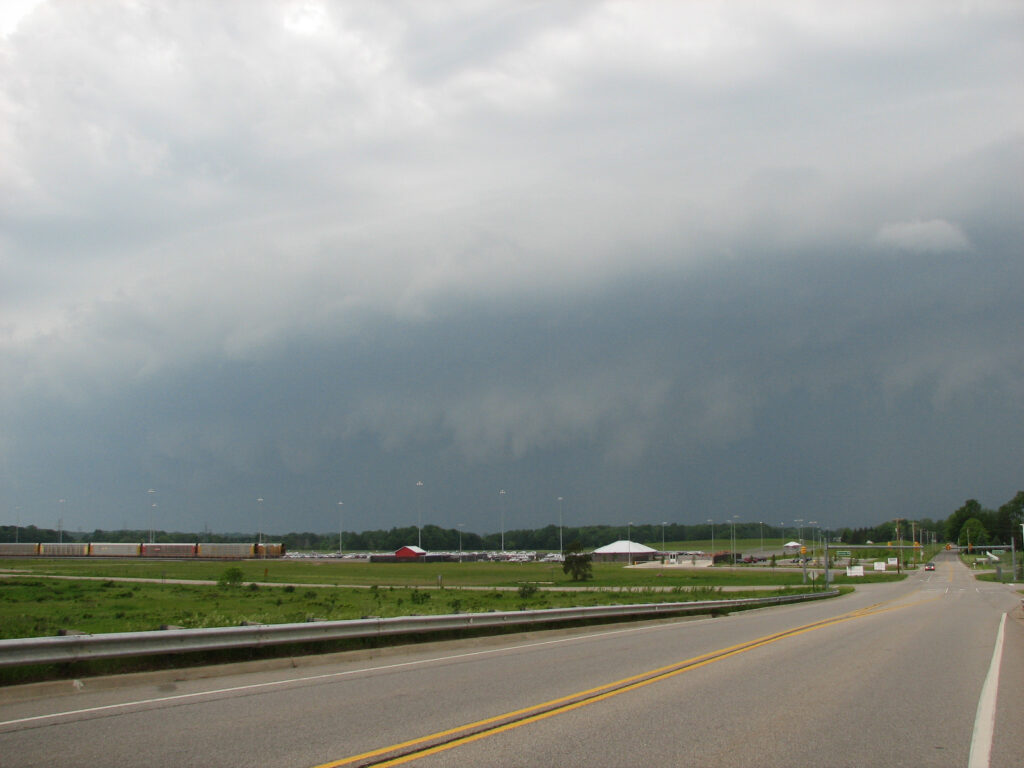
[34, 607]
[355, 573]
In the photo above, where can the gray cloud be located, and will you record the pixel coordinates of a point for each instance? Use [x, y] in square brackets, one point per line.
[665, 260]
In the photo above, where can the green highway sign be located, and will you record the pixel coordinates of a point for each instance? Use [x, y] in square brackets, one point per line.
[843, 553]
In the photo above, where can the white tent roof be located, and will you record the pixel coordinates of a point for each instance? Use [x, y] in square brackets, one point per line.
[792, 544]
[622, 546]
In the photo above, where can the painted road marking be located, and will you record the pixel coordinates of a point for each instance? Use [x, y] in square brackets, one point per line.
[985, 719]
[414, 749]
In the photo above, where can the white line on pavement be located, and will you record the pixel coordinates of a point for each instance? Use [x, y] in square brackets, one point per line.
[985, 719]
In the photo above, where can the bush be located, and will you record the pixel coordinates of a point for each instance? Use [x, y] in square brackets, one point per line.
[526, 591]
[232, 577]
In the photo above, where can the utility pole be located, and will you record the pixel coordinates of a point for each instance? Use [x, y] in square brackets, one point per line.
[899, 544]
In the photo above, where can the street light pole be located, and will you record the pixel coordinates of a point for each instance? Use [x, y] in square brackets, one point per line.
[663, 524]
[341, 528]
[561, 551]
[629, 543]
[460, 526]
[419, 514]
[501, 512]
[259, 522]
[712, 541]
[152, 505]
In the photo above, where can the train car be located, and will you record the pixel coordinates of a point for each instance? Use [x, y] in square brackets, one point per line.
[70, 549]
[227, 550]
[169, 550]
[270, 550]
[114, 549]
[19, 549]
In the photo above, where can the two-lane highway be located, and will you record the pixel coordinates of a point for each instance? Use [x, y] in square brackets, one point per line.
[892, 675]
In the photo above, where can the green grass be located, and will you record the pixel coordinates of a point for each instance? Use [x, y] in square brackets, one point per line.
[350, 573]
[34, 607]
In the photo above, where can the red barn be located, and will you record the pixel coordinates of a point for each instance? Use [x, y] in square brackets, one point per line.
[410, 552]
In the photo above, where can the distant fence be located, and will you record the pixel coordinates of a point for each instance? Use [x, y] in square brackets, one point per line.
[70, 648]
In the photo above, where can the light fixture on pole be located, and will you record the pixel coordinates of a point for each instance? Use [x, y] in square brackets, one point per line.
[341, 528]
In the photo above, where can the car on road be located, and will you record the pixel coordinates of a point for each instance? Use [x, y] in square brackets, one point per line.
[930, 567]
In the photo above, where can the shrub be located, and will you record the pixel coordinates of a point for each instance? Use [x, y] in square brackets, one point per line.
[232, 577]
[526, 591]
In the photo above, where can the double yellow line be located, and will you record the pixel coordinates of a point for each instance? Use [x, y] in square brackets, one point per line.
[407, 751]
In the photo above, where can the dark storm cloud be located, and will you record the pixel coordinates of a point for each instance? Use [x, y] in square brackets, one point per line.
[668, 262]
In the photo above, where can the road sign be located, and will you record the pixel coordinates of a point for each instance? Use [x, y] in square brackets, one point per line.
[844, 553]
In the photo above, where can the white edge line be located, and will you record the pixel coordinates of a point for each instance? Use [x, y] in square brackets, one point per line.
[985, 719]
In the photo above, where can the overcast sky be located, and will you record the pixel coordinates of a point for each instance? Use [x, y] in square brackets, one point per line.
[669, 261]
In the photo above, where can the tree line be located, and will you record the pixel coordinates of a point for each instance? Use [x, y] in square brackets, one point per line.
[971, 522]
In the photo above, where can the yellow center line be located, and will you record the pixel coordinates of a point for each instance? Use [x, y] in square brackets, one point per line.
[464, 734]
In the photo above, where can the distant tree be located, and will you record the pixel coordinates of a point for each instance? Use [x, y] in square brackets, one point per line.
[973, 532]
[577, 563]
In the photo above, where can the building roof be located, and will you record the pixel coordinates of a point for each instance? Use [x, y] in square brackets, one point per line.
[622, 546]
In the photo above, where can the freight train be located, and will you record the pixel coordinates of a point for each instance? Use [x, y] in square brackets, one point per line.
[219, 551]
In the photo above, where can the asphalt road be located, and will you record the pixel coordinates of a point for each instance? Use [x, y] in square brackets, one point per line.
[892, 675]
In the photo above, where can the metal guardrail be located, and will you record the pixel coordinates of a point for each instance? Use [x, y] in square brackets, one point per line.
[53, 650]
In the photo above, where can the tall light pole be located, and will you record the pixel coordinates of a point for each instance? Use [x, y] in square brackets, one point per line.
[561, 551]
[460, 526]
[501, 502]
[60, 523]
[663, 524]
[629, 543]
[712, 522]
[732, 540]
[341, 528]
[761, 526]
[419, 514]
[259, 521]
[17, 526]
[152, 507]
[800, 530]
